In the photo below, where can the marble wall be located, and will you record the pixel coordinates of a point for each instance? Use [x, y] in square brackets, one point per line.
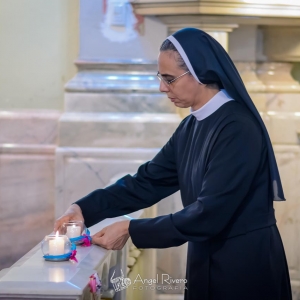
[82, 170]
[27, 148]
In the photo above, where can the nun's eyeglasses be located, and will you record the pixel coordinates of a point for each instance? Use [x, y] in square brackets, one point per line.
[168, 82]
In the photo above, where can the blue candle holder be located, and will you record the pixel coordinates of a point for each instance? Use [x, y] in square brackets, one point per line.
[58, 248]
[76, 232]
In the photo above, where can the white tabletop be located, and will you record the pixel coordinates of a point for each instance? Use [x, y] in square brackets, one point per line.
[32, 275]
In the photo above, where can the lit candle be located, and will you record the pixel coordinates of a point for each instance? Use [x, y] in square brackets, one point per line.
[73, 231]
[57, 246]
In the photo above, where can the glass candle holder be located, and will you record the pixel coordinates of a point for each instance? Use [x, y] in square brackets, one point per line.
[57, 247]
[75, 231]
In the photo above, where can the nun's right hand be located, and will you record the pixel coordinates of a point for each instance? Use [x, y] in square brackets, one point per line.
[73, 213]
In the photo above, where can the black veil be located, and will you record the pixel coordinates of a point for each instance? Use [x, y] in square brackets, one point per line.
[208, 62]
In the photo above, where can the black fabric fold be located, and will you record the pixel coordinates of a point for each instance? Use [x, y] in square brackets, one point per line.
[211, 63]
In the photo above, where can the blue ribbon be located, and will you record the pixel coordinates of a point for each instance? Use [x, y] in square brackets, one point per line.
[76, 239]
[56, 257]
[81, 237]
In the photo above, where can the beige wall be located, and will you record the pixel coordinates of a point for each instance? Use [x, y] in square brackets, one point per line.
[38, 45]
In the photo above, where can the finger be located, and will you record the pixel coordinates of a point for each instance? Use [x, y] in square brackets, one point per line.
[98, 235]
[99, 241]
[60, 221]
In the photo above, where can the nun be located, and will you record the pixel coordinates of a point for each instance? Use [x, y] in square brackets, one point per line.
[221, 159]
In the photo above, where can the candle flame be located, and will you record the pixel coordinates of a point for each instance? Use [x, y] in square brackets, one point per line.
[57, 234]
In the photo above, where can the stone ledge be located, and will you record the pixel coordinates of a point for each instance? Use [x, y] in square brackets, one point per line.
[35, 127]
[118, 102]
[27, 149]
[132, 130]
[213, 7]
[32, 277]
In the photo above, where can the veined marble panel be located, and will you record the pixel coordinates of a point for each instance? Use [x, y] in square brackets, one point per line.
[254, 86]
[27, 147]
[283, 102]
[118, 102]
[26, 200]
[247, 71]
[281, 43]
[259, 100]
[277, 77]
[79, 171]
[116, 129]
[28, 127]
[283, 127]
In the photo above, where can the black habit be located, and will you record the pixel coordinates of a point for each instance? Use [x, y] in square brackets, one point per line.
[221, 165]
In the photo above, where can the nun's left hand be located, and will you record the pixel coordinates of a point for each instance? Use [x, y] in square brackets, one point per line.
[112, 237]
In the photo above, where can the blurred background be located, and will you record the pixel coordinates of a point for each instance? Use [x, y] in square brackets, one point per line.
[80, 106]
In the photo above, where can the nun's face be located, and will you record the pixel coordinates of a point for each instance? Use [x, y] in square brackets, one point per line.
[184, 92]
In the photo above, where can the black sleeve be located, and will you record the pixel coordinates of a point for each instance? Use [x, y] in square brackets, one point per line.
[233, 163]
[153, 181]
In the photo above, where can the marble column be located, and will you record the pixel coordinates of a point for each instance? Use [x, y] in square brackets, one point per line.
[114, 120]
[254, 85]
[244, 54]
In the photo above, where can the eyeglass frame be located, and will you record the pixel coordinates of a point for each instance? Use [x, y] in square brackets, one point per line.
[168, 82]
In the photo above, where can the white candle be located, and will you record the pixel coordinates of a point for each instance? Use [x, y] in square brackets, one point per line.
[57, 246]
[73, 231]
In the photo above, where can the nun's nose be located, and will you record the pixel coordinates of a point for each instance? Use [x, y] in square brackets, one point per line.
[163, 87]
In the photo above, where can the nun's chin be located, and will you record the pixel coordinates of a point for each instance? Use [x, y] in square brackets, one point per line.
[180, 105]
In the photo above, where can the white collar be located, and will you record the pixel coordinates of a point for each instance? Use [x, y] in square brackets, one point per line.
[212, 105]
